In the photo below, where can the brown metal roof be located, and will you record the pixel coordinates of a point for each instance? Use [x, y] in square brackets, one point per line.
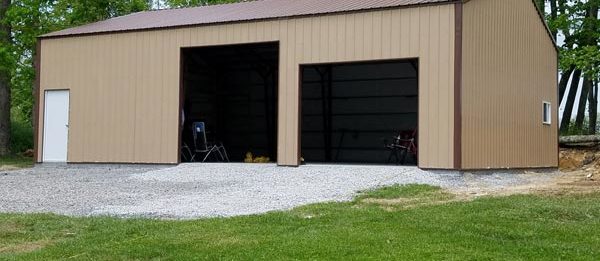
[244, 11]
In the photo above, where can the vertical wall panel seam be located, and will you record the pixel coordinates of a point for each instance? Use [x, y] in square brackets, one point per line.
[136, 83]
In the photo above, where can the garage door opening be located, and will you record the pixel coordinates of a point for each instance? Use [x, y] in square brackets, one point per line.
[351, 111]
[231, 92]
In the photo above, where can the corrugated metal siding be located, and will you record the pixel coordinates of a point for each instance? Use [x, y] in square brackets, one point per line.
[125, 87]
[509, 68]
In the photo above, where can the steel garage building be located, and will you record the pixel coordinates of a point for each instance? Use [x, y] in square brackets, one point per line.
[320, 79]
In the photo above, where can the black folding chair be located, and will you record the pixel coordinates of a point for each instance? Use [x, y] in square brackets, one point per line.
[204, 148]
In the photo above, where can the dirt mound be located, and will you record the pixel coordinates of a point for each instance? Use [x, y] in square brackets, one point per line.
[579, 173]
[587, 159]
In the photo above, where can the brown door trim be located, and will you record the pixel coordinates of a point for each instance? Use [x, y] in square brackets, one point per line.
[299, 115]
[458, 34]
[36, 101]
[181, 101]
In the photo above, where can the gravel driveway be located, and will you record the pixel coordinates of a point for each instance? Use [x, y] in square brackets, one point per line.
[204, 190]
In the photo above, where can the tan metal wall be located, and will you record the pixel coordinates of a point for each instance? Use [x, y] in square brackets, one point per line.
[125, 87]
[509, 68]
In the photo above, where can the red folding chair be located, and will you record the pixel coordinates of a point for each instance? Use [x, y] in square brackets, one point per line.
[403, 144]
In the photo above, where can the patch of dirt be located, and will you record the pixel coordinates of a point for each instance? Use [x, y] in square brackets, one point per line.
[587, 159]
[560, 184]
[10, 228]
[409, 203]
[429, 199]
[25, 247]
[8, 168]
[579, 172]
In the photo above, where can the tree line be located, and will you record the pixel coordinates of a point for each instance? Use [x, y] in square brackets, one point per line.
[576, 24]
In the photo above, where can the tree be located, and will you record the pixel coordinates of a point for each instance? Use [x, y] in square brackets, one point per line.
[593, 107]
[191, 3]
[21, 22]
[32, 18]
[5, 73]
[78, 12]
[27, 22]
[588, 40]
[577, 22]
[540, 5]
[583, 98]
[564, 81]
[566, 119]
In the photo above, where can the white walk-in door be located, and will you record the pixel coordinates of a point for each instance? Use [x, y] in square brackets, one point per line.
[56, 126]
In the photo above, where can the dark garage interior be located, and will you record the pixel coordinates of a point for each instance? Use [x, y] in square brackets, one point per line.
[233, 90]
[350, 112]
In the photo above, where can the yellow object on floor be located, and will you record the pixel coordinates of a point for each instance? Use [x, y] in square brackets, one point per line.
[262, 159]
[251, 159]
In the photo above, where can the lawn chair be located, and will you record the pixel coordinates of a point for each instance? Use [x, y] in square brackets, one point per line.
[402, 145]
[186, 153]
[204, 148]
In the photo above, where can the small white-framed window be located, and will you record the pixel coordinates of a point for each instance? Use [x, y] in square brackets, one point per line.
[547, 113]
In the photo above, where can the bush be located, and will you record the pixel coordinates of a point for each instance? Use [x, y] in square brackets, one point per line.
[22, 136]
[584, 130]
[573, 130]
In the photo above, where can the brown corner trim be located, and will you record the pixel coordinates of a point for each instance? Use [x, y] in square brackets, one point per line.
[36, 99]
[556, 113]
[181, 101]
[458, 34]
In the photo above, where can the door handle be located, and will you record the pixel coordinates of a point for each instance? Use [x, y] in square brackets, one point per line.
[67, 125]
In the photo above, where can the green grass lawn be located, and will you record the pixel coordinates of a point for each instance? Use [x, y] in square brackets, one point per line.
[15, 162]
[410, 222]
